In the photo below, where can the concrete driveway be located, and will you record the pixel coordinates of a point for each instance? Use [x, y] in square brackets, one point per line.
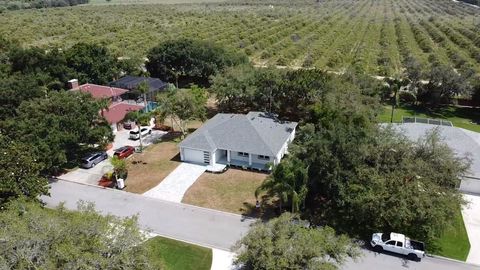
[174, 186]
[471, 218]
[88, 176]
[121, 139]
[91, 176]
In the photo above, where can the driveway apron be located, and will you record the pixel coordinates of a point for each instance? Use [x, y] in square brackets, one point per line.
[471, 218]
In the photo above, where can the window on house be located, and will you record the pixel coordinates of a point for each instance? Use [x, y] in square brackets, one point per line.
[263, 157]
[242, 154]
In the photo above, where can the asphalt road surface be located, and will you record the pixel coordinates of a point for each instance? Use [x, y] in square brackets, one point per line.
[208, 227]
[193, 224]
[372, 261]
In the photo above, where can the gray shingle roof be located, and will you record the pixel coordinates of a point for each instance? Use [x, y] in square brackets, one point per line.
[256, 133]
[455, 138]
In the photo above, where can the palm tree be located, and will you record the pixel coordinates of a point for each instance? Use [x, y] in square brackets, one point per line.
[395, 84]
[104, 105]
[288, 182]
[143, 88]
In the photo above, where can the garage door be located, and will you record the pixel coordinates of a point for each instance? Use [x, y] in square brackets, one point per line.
[196, 156]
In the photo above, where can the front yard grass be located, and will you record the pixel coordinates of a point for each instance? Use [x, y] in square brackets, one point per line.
[231, 191]
[460, 116]
[454, 241]
[149, 168]
[170, 254]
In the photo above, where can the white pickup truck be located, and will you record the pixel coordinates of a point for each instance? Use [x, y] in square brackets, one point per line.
[398, 243]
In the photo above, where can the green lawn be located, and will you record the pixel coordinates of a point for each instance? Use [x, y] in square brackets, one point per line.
[460, 117]
[454, 242]
[176, 255]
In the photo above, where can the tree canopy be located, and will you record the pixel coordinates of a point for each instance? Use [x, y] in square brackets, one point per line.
[93, 63]
[19, 172]
[364, 178]
[59, 128]
[14, 90]
[288, 93]
[187, 61]
[289, 243]
[36, 238]
[183, 105]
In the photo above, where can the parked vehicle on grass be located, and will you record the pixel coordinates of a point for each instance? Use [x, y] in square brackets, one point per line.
[144, 131]
[398, 243]
[124, 151]
[93, 159]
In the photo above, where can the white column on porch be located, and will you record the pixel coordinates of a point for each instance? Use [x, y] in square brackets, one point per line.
[213, 158]
[181, 154]
[228, 156]
[249, 159]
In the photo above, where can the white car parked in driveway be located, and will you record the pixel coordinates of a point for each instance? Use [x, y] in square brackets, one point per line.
[398, 243]
[144, 131]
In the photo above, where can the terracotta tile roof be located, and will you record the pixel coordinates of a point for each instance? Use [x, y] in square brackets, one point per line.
[100, 91]
[118, 110]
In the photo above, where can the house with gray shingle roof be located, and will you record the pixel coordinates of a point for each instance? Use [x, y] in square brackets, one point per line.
[253, 140]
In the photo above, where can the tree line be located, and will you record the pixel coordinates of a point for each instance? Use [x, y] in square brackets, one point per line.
[17, 5]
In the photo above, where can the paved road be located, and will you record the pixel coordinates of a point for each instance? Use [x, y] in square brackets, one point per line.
[373, 261]
[189, 223]
[208, 227]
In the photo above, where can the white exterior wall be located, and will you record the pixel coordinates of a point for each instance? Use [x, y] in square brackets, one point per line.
[284, 150]
[234, 156]
[213, 158]
[290, 139]
[255, 159]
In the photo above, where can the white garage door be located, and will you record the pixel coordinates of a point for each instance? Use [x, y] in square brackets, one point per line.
[196, 156]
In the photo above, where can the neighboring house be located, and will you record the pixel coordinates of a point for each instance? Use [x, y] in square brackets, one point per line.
[97, 91]
[131, 83]
[117, 110]
[254, 140]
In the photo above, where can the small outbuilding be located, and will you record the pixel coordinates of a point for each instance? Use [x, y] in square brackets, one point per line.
[255, 140]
